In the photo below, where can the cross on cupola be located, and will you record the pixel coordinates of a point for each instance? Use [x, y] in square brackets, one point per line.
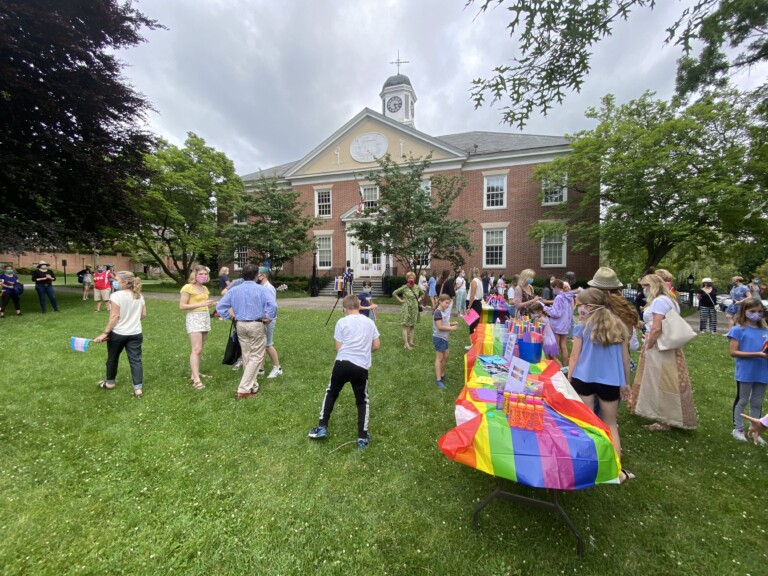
[397, 96]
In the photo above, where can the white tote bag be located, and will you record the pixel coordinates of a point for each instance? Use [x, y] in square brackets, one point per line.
[675, 332]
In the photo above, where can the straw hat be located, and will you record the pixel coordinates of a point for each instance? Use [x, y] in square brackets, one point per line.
[706, 280]
[42, 263]
[606, 279]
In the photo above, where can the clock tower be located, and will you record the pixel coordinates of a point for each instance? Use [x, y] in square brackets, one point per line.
[398, 99]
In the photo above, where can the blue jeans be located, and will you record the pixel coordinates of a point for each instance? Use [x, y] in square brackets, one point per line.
[132, 346]
[42, 292]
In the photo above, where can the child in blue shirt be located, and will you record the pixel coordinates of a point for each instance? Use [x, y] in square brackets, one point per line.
[599, 362]
[365, 299]
[441, 328]
[746, 340]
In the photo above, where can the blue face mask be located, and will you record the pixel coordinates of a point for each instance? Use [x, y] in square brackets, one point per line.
[530, 281]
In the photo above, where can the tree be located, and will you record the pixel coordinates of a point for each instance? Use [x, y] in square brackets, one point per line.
[70, 135]
[556, 38]
[186, 203]
[659, 177]
[276, 229]
[410, 223]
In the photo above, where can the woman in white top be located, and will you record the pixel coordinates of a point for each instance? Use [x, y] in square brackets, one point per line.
[123, 331]
[460, 286]
[662, 388]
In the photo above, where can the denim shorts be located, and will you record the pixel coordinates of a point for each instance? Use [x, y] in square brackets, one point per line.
[270, 332]
[441, 344]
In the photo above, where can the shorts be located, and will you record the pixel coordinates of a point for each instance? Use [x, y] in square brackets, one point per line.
[198, 322]
[606, 392]
[99, 295]
[441, 344]
[270, 332]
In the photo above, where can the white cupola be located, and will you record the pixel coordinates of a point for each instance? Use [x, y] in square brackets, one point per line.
[398, 99]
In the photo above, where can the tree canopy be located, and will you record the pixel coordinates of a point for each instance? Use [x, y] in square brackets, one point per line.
[70, 134]
[556, 38]
[411, 221]
[662, 177]
[185, 204]
[275, 226]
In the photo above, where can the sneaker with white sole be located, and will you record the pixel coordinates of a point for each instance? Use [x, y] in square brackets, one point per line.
[318, 432]
[261, 372]
[739, 435]
[362, 443]
[238, 365]
[275, 372]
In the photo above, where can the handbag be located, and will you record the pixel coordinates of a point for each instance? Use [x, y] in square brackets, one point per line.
[232, 352]
[675, 332]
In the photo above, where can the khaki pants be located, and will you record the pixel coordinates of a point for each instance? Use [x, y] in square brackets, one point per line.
[253, 343]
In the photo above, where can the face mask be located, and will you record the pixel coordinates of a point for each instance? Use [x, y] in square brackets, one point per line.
[755, 316]
[367, 290]
[646, 292]
[530, 281]
[201, 279]
[411, 282]
[9, 270]
[584, 312]
[756, 281]
[43, 268]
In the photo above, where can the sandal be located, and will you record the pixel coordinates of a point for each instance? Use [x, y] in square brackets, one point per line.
[658, 427]
[198, 385]
[626, 475]
[104, 385]
[138, 394]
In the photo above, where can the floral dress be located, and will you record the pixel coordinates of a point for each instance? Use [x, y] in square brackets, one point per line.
[409, 314]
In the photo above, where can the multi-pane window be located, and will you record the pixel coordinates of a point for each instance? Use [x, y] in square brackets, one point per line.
[323, 203]
[553, 250]
[323, 251]
[495, 192]
[241, 257]
[240, 218]
[554, 192]
[422, 261]
[494, 242]
[370, 197]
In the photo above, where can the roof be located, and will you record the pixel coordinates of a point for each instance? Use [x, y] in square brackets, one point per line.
[492, 142]
[397, 80]
[487, 143]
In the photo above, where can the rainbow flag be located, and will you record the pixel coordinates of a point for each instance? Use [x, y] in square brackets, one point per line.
[496, 310]
[573, 451]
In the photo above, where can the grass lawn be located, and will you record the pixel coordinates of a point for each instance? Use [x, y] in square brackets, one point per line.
[187, 482]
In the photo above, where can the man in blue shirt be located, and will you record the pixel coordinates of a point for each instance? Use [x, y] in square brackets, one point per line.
[253, 306]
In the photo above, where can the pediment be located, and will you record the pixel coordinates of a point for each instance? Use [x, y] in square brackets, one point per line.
[357, 144]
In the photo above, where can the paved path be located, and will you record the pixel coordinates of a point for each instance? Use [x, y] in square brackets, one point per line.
[327, 302]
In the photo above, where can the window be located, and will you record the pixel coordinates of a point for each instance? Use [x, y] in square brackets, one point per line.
[553, 251]
[423, 260]
[554, 192]
[323, 203]
[239, 218]
[370, 196]
[494, 242]
[241, 257]
[426, 186]
[323, 251]
[495, 191]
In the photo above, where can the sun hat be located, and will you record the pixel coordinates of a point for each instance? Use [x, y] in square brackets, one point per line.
[42, 263]
[605, 278]
[263, 270]
[706, 280]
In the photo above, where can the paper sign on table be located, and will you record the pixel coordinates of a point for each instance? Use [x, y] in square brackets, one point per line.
[509, 351]
[517, 376]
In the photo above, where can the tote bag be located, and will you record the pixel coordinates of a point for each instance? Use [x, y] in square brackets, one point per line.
[675, 332]
[232, 352]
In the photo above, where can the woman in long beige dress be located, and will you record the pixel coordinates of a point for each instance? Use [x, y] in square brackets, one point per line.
[662, 388]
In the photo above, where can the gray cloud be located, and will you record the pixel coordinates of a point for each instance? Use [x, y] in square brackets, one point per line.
[265, 82]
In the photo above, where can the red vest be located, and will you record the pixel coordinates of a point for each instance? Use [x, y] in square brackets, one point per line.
[101, 280]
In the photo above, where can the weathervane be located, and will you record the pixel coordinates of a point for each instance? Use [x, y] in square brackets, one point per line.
[398, 61]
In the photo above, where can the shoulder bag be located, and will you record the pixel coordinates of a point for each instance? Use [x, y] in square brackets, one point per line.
[675, 332]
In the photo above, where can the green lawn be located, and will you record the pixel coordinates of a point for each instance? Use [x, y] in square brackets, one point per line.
[186, 482]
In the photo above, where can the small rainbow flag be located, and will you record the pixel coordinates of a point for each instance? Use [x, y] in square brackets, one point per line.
[79, 344]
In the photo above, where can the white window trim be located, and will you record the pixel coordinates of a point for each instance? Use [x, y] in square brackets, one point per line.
[330, 248]
[493, 173]
[235, 264]
[494, 227]
[378, 194]
[563, 187]
[319, 189]
[564, 263]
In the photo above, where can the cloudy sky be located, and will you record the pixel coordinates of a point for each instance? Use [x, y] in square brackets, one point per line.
[266, 81]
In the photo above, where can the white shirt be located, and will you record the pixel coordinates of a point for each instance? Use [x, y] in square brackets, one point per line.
[130, 313]
[356, 334]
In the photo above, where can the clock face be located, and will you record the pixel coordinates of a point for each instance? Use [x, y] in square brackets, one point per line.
[394, 104]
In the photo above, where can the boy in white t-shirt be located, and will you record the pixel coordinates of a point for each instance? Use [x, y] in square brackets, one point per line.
[356, 338]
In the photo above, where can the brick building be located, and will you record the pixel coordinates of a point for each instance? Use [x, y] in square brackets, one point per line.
[500, 197]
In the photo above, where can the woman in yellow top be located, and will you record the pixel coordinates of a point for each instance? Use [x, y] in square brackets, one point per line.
[195, 300]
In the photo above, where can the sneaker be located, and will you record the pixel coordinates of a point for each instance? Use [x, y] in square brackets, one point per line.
[318, 432]
[739, 435]
[261, 372]
[467, 348]
[440, 384]
[238, 365]
[362, 443]
[275, 372]
[564, 369]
